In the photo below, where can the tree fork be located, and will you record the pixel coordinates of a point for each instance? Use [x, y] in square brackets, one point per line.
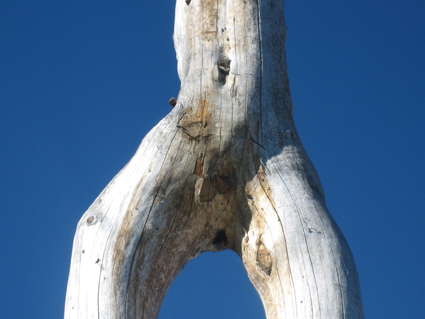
[224, 170]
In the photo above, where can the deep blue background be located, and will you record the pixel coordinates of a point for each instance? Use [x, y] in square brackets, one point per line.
[81, 83]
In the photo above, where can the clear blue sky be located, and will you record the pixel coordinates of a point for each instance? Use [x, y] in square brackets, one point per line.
[81, 83]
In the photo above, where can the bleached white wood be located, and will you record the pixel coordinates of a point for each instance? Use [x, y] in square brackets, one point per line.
[224, 170]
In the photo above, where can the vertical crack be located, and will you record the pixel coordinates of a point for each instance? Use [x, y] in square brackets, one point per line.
[260, 41]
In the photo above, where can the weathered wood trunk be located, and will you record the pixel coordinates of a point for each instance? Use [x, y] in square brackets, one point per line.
[224, 170]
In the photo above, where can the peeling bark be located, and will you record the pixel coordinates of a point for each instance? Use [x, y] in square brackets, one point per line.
[224, 170]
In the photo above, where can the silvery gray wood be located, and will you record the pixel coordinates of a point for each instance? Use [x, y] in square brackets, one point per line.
[224, 170]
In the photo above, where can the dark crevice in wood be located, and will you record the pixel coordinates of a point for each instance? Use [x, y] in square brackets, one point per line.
[220, 238]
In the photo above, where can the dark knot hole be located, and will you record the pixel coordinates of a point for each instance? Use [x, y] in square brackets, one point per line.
[220, 238]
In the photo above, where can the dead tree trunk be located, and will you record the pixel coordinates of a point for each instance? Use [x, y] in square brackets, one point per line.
[224, 170]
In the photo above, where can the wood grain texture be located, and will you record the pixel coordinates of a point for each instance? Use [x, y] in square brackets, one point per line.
[224, 170]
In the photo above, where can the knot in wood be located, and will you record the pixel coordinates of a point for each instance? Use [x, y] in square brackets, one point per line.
[91, 220]
[220, 183]
[224, 65]
[172, 102]
[264, 261]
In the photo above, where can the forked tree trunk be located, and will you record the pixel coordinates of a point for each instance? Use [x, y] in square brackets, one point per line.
[224, 170]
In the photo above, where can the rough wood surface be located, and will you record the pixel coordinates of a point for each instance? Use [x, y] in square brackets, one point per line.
[224, 170]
